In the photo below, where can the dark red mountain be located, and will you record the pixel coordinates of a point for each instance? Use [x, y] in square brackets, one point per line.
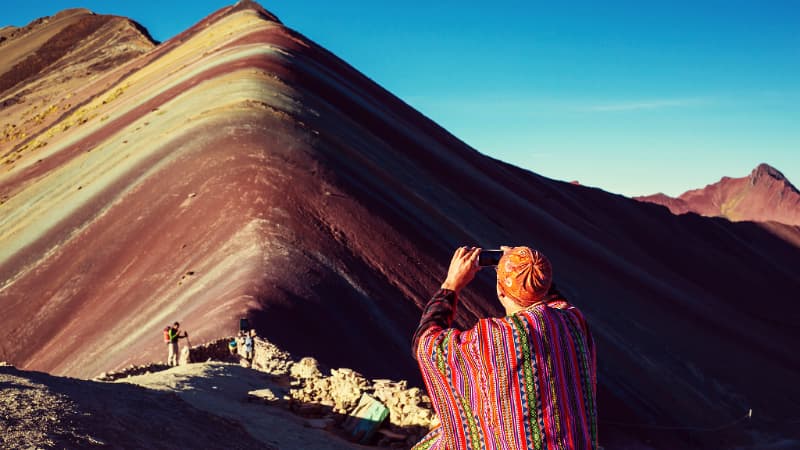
[764, 195]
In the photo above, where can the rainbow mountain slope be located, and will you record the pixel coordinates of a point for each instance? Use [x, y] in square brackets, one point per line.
[240, 169]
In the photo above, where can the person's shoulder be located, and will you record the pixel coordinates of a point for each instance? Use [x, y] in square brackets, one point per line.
[559, 303]
[495, 323]
[563, 308]
[564, 305]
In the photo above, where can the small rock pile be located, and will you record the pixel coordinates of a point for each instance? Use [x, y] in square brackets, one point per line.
[269, 358]
[327, 400]
[340, 391]
[314, 394]
[407, 407]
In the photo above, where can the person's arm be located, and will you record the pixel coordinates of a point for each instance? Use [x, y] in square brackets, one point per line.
[440, 309]
[438, 313]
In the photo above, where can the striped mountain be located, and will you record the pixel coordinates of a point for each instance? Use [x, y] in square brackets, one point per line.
[239, 169]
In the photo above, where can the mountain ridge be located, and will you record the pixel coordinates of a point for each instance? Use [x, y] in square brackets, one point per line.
[45, 41]
[763, 195]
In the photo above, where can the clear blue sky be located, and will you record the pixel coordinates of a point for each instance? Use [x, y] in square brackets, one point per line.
[629, 96]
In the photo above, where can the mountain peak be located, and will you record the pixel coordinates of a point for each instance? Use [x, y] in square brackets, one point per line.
[764, 173]
[255, 6]
[68, 40]
[765, 170]
[763, 195]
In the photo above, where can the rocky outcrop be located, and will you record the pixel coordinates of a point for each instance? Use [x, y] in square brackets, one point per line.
[334, 396]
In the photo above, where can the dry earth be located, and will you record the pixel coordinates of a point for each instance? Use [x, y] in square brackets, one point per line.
[43, 411]
[203, 405]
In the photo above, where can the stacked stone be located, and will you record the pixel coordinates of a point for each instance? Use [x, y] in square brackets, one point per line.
[212, 351]
[314, 395]
[269, 358]
[407, 407]
[339, 391]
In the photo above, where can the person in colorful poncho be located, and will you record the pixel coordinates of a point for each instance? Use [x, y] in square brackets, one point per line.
[527, 380]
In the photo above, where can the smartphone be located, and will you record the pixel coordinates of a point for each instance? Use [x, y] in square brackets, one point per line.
[489, 257]
[244, 325]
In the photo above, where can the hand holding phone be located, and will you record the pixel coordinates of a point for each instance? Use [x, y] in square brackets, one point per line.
[489, 257]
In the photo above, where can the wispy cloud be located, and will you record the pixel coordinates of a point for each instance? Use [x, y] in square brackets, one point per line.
[532, 105]
[640, 105]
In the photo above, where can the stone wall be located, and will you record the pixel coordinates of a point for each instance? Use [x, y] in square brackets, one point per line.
[212, 351]
[312, 393]
[267, 357]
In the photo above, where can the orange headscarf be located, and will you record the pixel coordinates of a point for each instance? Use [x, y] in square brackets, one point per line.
[524, 275]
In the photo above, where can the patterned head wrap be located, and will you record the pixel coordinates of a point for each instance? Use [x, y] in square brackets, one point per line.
[524, 275]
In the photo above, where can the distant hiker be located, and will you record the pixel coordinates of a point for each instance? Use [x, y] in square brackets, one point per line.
[240, 340]
[248, 345]
[232, 346]
[172, 336]
[527, 380]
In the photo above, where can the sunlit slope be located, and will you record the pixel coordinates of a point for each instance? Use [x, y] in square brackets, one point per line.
[764, 195]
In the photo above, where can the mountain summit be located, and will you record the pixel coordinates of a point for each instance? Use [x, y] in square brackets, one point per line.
[766, 173]
[241, 170]
[764, 195]
[65, 50]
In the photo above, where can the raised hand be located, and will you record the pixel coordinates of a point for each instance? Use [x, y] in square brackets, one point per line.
[463, 268]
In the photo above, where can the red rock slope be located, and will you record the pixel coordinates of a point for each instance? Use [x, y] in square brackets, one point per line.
[239, 168]
[764, 195]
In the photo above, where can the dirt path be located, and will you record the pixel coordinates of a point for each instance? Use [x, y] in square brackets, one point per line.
[221, 389]
[38, 410]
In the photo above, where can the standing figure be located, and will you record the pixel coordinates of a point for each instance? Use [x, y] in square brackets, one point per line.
[524, 381]
[249, 344]
[232, 346]
[172, 336]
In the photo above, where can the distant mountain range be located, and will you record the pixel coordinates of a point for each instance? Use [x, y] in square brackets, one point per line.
[764, 195]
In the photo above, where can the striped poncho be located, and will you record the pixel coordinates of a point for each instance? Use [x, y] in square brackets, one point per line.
[524, 381]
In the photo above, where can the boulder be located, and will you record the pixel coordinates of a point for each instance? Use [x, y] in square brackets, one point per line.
[306, 368]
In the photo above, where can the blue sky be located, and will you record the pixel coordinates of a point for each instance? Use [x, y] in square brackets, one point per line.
[629, 96]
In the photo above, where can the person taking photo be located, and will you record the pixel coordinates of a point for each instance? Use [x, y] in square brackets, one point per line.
[523, 381]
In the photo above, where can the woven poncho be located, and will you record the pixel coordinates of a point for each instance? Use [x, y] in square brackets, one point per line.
[524, 381]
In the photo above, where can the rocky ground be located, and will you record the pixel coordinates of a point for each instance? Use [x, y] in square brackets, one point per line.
[42, 411]
[221, 402]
